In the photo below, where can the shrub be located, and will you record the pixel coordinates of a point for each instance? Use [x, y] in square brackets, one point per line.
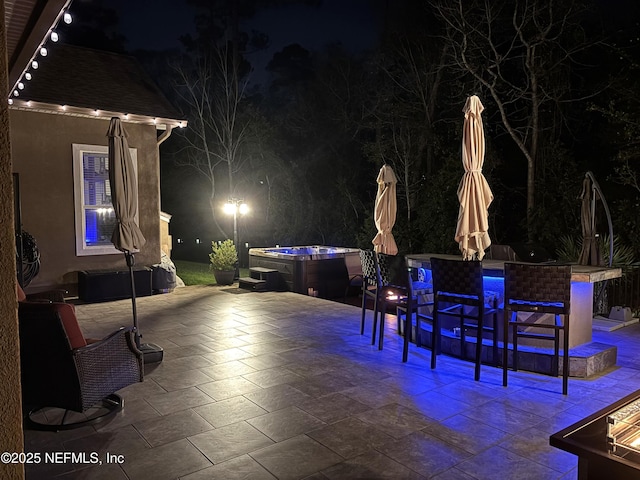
[223, 255]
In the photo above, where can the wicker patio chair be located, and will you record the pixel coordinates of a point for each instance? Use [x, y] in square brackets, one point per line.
[535, 290]
[408, 296]
[61, 370]
[370, 288]
[459, 292]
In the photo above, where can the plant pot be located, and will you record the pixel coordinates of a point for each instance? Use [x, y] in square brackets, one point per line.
[224, 277]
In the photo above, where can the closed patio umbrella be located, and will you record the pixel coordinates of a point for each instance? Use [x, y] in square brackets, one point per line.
[385, 210]
[126, 236]
[590, 252]
[474, 194]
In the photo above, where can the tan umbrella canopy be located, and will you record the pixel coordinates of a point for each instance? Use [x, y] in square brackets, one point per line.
[385, 211]
[127, 236]
[474, 193]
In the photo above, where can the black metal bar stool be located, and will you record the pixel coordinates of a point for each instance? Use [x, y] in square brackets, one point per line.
[458, 291]
[537, 290]
[370, 288]
[401, 290]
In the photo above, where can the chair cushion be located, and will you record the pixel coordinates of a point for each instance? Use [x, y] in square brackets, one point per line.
[68, 315]
[20, 295]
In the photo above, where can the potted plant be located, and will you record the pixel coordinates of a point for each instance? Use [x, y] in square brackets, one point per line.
[223, 258]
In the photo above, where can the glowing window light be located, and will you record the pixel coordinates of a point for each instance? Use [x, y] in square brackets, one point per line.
[54, 36]
[27, 76]
[34, 65]
[67, 18]
[44, 52]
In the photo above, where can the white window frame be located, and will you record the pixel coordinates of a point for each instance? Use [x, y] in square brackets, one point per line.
[79, 149]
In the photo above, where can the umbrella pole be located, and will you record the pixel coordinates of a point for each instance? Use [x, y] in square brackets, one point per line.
[151, 353]
[131, 261]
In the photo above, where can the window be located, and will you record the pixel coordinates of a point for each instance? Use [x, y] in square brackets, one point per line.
[95, 218]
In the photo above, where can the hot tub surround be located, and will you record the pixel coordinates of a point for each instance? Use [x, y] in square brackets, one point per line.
[316, 270]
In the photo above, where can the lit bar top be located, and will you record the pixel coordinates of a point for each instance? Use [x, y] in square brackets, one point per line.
[495, 268]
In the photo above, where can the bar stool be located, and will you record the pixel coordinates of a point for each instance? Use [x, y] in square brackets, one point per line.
[458, 291]
[537, 289]
[400, 289]
[370, 288]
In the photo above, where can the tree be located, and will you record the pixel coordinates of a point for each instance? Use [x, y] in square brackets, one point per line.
[403, 114]
[212, 93]
[520, 52]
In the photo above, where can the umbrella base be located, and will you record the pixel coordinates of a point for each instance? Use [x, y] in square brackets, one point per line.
[151, 353]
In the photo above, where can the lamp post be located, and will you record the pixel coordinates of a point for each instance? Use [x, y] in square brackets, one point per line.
[234, 207]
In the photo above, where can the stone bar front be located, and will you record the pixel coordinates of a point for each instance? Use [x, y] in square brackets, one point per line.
[587, 357]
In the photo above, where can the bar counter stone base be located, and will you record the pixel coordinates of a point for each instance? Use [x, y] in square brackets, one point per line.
[584, 360]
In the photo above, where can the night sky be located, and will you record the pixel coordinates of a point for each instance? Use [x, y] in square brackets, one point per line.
[158, 24]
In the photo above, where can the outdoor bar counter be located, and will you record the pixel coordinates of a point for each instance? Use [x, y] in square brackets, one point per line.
[582, 279]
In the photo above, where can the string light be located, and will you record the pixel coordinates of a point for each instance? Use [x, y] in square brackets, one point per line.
[65, 17]
[11, 101]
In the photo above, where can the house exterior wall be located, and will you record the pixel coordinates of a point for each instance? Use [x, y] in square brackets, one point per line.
[11, 439]
[42, 156]
[166, 240]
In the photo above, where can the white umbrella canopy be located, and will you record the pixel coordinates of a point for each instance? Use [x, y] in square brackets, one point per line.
[385, 210]
[474, 194]
[127, 236]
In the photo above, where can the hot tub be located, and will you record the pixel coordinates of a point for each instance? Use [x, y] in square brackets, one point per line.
[316, 270]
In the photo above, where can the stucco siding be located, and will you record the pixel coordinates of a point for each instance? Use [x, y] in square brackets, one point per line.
[42, 155]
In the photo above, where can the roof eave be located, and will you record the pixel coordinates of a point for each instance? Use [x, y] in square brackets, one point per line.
[50, 15]
[159, 122]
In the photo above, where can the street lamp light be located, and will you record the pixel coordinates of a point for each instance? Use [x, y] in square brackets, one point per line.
[235, 207]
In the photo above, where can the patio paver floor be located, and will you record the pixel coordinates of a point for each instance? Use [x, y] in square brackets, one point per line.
[280, 385]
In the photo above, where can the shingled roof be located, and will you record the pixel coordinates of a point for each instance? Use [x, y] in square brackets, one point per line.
[94, 79]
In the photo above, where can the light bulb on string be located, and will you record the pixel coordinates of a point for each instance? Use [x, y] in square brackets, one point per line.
[11, 101]
[34, 64]
[43, 52]
[20, 86]
[67, 18]
[54, 36]
[27, 76]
